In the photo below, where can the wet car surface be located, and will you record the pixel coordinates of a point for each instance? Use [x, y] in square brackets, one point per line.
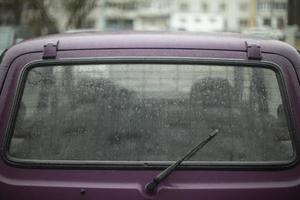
[93, 115]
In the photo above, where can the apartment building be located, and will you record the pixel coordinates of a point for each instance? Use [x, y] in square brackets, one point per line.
[188, 15]
[272, 13]
[203, 15]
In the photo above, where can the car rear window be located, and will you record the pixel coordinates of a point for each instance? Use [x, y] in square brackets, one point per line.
[150, 113]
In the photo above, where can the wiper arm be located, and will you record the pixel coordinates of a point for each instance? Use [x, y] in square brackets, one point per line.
[150, 187]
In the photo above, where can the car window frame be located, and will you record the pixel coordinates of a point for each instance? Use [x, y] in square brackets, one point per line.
[238, 165]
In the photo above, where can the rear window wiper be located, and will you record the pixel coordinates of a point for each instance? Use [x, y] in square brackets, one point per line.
[151, 186]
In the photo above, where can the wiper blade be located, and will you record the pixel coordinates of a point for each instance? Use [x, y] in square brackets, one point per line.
[150, 187]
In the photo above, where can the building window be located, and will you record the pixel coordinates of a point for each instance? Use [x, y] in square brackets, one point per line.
[129, 6]
[280, 23]
[243, 22]
[197, 19]
[264, 5]
[279, 5]
[267, 21]
[119, 24]
[243, 6]
[225, 25]
[184, 7]
[204, 7]
[182, 20]
[212, 20]
[222, 7]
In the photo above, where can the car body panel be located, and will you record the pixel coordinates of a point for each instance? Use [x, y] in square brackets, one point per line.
[29, 182]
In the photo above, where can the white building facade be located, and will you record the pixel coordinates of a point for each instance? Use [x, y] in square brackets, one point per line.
[197, 22]
[203, 15]
[188, 15]
[272, 13]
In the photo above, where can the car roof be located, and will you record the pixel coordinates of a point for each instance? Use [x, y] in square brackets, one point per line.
[152, 40]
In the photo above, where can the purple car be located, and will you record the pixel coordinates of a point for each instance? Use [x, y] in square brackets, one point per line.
[149, 116]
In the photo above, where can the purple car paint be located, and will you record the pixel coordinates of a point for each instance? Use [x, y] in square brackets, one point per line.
[28, 180]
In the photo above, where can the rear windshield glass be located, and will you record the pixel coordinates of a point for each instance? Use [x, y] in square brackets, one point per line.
[151, 112]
